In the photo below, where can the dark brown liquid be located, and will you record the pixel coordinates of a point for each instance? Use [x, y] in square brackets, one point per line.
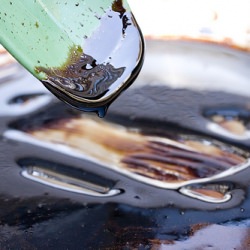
[111, 60]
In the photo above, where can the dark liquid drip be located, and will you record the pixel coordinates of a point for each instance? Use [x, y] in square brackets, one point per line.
[111, 61]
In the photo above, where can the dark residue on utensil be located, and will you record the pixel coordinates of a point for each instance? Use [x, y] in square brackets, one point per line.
[117, 6]
[83, 76]
[81, 79]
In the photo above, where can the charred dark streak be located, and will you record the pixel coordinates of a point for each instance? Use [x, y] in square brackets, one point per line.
[198, 169]
[165, 149]
[162, 161]
[144, 169]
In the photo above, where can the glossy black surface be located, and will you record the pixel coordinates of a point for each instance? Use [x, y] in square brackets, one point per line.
[37, 216]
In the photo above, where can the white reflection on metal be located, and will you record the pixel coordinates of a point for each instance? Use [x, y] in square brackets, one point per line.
[66, 183]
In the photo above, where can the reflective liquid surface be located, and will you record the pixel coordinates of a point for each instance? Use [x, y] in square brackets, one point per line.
[167, 168]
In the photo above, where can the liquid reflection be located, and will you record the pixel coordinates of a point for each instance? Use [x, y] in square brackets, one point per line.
[154, 155]
[66, 178]
[157, 158]
[216, 193]
[190, 164]
[46, 217]
[229, 121]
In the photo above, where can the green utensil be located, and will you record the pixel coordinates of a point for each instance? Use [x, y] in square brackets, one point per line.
[85, 52]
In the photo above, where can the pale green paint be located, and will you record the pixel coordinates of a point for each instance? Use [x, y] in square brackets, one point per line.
[41, 32]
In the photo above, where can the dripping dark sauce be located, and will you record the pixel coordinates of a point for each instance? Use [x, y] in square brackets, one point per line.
[89, 84]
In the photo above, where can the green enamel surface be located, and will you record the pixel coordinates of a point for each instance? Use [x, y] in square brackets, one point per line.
[42, 32]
